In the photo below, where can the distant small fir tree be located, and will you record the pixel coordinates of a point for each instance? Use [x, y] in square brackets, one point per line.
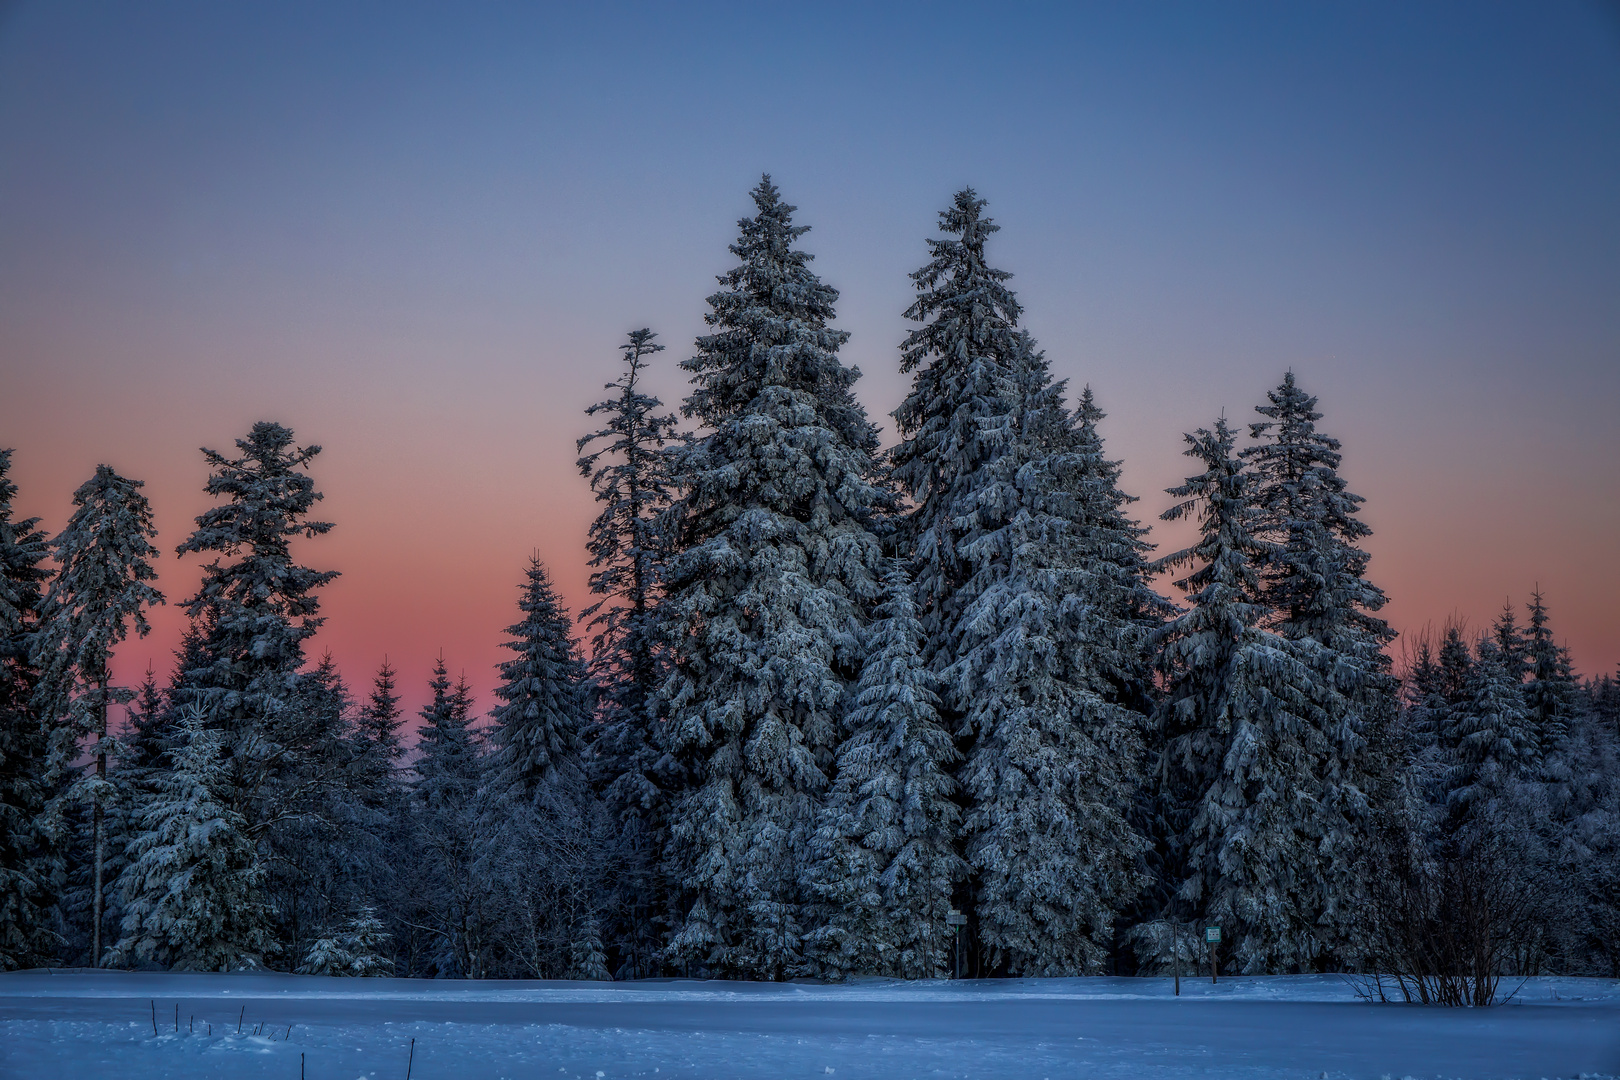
[1511, 646]
[1488, 736]
[1551, 690]
[379, 748]
[448, 821]
[539, 725]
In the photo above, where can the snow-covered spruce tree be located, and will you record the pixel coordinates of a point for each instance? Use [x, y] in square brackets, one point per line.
[1113, 550]
[1030, 582]
[258, 607]
[370, 949]
[1240, 778]
[328, 956]
[360, 949]
[377, 830]
[539, 767]
[538, 727]
[28, 864]
[956, 416]
[193, 889]
[586, 959]
[775, 563]
[628, 469]
[445, 886]
[320, 847]
[1424, 707]
[1488, 737]
[1550, 692]
[1051, 770]
[885, 848]
[254, 610]
[1583, 840]
[102, 586]
[1316, 586]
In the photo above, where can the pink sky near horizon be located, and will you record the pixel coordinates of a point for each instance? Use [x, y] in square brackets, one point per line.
[431, 545]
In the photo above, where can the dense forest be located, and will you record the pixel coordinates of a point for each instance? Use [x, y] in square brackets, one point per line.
[835, 710]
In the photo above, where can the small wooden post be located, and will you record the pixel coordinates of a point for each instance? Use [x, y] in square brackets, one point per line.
[1175, 946]
[154, 1016]
[411, 1060]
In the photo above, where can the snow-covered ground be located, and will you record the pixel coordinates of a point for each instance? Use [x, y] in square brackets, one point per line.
[67, 1025]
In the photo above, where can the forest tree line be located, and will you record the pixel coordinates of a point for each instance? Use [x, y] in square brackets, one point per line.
[826, 698]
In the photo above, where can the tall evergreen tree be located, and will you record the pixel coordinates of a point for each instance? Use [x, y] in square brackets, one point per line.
[193, 889]
[629, 475]
[539, 726]
[628, 469]
[885, 849]
[102, 587]
[1239, 779]
[1054, 755]
[257, 607]
[1031, 584]
[28, 870]
[1315, 583]
[764, 601]
[1111, 547]
[956, 417]
[1315, 576]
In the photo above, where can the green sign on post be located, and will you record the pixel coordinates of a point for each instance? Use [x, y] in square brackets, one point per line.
[1212, 934]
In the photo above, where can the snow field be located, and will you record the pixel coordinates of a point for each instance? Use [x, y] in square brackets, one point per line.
[86, 1024]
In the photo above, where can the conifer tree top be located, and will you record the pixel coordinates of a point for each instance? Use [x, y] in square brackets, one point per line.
[1228, 548]
[104, 554]
[771, 317]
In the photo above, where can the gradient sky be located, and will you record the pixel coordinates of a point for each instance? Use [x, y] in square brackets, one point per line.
[417, 234]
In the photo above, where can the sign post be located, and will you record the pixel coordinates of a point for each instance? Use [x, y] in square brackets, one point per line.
[1212, 934]
[958, 920]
